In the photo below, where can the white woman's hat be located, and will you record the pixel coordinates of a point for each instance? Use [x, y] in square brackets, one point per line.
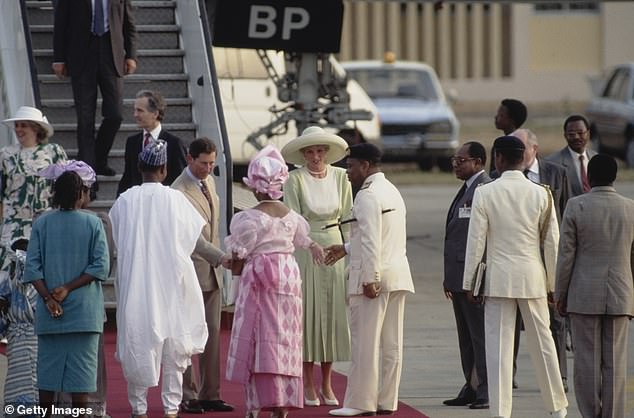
[34, 115]
[314, 135]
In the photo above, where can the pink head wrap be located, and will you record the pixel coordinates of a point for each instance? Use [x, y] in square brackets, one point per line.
[85, 172]
[267, 172]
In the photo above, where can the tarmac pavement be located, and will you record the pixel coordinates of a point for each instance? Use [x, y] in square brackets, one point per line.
[432, 371]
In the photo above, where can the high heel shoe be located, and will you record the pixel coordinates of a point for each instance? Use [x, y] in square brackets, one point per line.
[329, 402]
[311, 402]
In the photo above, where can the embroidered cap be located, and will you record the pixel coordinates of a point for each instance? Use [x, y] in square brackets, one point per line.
[155, 153]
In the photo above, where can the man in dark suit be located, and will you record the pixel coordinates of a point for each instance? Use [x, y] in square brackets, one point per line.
[149, 111]
[577, 154]
[94, 42]
[198, 186]
[554, 175]
[468, 164]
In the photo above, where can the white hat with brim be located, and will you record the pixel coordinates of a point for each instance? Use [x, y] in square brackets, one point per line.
[31, 114]
[314, 135]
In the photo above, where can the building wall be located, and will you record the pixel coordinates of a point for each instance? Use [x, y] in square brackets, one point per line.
[488, 51]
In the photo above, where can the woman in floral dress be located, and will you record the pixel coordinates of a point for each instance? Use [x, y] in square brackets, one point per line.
[265, 352]
[24, 194]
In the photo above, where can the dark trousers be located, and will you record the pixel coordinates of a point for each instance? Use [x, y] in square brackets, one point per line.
[98, 72]
[470, 327]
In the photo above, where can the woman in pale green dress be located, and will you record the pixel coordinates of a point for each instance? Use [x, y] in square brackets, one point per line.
[322, 194]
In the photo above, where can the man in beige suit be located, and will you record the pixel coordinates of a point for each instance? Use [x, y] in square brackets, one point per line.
[595, 286]
[378, 282]
[199, 188]
[508, 216]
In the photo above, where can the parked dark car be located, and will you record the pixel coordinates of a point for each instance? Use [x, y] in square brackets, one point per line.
[611, 114]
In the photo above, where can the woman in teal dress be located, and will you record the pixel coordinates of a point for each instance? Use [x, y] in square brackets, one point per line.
[322, 194]
[67, 259]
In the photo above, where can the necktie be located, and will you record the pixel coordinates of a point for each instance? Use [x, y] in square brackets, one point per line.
[584, 176]
[461, 193]
[205, 190]
[146, 139]
[98, 18]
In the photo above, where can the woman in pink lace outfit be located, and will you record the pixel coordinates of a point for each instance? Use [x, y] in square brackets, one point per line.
[265, 352]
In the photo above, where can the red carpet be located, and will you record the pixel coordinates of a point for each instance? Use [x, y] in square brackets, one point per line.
[118, 406]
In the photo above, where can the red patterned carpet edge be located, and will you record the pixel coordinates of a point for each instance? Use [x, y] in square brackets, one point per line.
[118, 406]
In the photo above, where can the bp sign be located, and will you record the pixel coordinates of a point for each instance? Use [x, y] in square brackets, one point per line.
[289, 25]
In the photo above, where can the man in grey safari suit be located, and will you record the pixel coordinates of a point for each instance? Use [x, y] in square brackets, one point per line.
[595, 287]
[468, 164]
[200, 161]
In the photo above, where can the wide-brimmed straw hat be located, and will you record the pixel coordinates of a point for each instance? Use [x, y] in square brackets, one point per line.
[314, 135]
[33, 115]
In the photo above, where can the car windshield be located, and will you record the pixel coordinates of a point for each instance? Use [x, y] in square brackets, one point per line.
[391, 82]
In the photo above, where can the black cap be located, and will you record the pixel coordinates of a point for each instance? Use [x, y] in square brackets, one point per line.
[365, 151]
[508, 143]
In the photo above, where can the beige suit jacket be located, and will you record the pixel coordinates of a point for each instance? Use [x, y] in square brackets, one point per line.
[594, 268]
[210, 278]
[378, 241]
[506, 218]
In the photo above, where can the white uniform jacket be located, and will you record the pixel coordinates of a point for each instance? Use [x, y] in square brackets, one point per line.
[378, 240]
[506, 218]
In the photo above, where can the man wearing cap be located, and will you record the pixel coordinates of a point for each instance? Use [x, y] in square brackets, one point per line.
[595, 288]
[510, 217]
[149, 111]
[94, 42]
[160, 310]
[379, 279]
[196, 183]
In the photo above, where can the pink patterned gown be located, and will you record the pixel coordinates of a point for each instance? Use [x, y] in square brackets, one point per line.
[265, 352]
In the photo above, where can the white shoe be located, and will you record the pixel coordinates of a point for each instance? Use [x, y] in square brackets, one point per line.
[351, 412]
[559, 414]
[327, 401]
[311, 402]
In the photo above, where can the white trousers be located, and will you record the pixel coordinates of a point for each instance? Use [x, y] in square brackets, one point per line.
[499, 328]
[376, 331]
[171, 387]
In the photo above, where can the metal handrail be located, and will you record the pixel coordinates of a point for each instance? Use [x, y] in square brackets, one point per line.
[29, 47]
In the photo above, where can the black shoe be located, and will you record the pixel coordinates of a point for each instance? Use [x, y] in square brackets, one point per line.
[191, 407]
[565, 382]
[480, 404]
[459, 401]
[105, 171]
[384, 412]
[218, 405]
[515, 386]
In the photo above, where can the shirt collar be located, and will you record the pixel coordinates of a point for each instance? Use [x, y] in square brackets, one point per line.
[154, 132]
[473, 178]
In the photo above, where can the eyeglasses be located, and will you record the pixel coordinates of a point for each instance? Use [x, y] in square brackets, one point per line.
[572, 134]
[460, 160]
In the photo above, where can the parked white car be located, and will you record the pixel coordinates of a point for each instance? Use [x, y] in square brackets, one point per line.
[248, 95]
[611, 114]
[417, 122]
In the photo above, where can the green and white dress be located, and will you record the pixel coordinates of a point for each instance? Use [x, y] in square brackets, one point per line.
[322, 201]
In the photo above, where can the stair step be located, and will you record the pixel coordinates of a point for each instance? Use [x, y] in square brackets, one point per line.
[148, 60]
[68, 138]
[145, 12]
[179, 110]
[170, 85]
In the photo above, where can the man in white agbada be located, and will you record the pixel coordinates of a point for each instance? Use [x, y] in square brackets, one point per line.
[160, 311]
